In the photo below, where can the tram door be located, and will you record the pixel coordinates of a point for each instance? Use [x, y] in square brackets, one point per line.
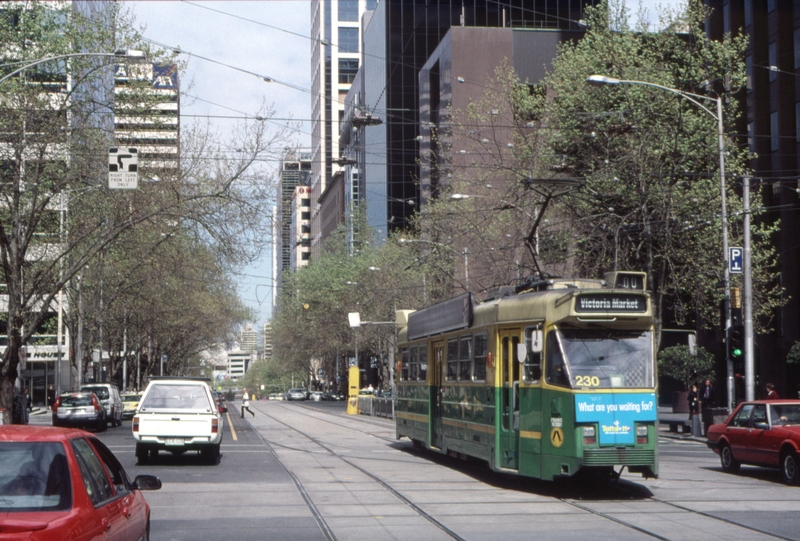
[509, 338]
[436, 395]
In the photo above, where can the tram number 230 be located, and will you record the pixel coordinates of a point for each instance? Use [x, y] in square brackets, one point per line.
[587, 381]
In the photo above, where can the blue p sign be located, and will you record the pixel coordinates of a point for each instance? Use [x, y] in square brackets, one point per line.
[736, 258]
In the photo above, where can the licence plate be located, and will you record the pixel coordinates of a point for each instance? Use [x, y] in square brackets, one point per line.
[174, 441]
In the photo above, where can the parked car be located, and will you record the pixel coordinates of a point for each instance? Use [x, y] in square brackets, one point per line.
[130, 402]
[337, 395]
[81, 410]
[275, 396]
[296, 394]
[761, 433]
[109, 397]
[62, 483]
[219, 398]
[177, 415]
[316, 396]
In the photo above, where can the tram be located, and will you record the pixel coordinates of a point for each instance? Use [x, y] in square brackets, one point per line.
[548, 382]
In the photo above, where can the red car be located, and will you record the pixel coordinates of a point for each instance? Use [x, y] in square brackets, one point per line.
[63, 483]
[761, 433]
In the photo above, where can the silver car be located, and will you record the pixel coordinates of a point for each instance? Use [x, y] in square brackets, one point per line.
[81, 410]
[296, 394]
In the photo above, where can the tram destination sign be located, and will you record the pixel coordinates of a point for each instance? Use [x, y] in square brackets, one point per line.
[611, 302]
[446, 316]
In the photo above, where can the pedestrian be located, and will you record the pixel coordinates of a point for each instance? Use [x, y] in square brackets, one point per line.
[27, 398]
[51, 397]
[709, 396]
[772, 394]
[694, 411]
[246, 403]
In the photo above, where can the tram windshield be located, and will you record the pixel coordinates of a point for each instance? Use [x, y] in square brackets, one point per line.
[600, 358]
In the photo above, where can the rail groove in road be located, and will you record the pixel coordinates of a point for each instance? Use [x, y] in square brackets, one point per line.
[421, 512]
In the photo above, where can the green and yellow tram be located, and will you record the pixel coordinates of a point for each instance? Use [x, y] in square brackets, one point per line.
[545, 383]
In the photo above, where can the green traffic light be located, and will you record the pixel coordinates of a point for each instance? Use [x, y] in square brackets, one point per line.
[736, 352]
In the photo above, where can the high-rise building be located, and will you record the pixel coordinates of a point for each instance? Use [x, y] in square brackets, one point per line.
[770, 128]
[382, 129]
[335, 56]
[156, 134]
[249, 338]
[267, 335]
[295, 171]
[300, 233]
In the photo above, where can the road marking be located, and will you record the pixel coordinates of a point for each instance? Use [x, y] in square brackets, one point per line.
[233, 432]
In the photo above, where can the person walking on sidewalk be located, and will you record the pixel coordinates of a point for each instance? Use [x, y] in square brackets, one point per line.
[694, 411]
[772, 394]
[246, 403]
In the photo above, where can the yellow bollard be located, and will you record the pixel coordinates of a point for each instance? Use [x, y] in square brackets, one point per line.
[353, 380]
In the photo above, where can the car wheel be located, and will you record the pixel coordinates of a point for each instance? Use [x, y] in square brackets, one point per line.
[142, 454]
[790, 467]
[729, 464]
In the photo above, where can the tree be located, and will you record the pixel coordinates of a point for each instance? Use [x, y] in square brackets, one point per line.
[679, 363]
[56, 120]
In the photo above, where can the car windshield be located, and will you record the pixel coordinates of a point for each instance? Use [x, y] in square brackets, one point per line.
[602, 358]
[76, 401]
[34, 476]
[188, 397]
[101, 392]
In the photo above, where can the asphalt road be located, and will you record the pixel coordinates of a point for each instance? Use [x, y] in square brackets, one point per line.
[307, 471]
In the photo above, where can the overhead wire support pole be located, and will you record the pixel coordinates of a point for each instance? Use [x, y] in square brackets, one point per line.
[600, 80]
[747, 293]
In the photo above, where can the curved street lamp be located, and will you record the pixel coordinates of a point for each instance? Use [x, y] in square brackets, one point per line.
[601, 80]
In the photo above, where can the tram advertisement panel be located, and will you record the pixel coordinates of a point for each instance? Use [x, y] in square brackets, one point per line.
[615, 414]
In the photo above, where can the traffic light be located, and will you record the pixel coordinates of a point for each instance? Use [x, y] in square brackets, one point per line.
[736, 343]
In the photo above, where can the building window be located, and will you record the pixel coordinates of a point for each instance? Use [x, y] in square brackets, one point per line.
[348, 40]
[305, 202]
[773, 131]
[748, 12]
[348, 10]
[773, 61]
[305, 215]
[305, 228]
[305, 256]
[748, 68]
[797, 122]
[797, 48]
[726, 18]
[348, 67]
[305, 242]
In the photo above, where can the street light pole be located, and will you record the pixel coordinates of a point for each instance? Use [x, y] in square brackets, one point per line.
[600, 80]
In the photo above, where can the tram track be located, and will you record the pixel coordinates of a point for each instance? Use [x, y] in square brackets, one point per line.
[407, 502]
[583, 506]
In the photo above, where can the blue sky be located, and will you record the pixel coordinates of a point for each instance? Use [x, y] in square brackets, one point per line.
[267, 37]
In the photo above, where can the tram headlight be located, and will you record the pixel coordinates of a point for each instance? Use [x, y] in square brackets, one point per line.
[641, 434]
[589, 435]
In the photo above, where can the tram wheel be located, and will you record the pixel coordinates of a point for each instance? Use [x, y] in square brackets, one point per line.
[729, 464]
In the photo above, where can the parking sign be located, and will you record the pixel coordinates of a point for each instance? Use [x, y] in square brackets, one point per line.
[736, 258]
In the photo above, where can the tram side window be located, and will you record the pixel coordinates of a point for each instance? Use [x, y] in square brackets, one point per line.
[413, 365]
[422, 358]
[404, 365]
[533, 362]
[481, 348]
[556, 370]
[465, 358]
[452, 359]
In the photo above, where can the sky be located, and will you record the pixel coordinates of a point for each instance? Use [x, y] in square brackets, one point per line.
[268, 38]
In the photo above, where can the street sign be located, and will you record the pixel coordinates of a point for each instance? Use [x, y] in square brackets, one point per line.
[123, 168]
[736, 258]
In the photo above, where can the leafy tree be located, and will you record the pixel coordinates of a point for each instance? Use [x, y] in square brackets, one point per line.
[56, 119]
[677, 362]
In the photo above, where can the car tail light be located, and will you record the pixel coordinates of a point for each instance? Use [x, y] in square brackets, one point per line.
[58, 403]
[641, 434]
[96, 403]
[136, 424]
[589, 435]
[214, 426]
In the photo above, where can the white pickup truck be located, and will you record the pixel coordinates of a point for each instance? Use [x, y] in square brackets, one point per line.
[177, 415]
